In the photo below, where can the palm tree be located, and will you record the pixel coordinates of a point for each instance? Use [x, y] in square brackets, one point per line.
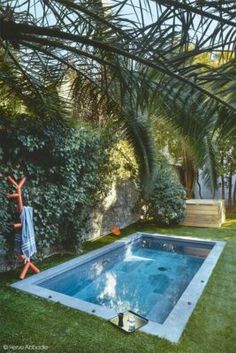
[135, 63]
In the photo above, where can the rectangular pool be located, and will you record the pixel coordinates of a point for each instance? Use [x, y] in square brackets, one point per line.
[158, 277]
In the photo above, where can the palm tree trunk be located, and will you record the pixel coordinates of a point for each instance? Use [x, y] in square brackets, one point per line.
[189, 175]
[199, 185]
[222, 178]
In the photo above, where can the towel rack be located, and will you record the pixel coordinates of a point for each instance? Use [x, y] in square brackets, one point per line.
[18, 196]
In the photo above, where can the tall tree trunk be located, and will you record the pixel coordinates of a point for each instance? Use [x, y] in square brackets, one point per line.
[223, 187]
[230, 189]
[234, 193]
[222, 178]
[231, 173]
[189, 175]
[199, 185]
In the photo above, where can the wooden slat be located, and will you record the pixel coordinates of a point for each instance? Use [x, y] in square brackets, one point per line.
[204, 213]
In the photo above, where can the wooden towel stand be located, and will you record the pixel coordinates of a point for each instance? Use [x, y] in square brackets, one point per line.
[18, 197]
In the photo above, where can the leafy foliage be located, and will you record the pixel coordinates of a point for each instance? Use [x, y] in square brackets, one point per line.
[111, 54]
[226, 163]
[167, 203]
[67, 174]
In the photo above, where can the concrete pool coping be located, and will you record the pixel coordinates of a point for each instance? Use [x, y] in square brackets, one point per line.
[173, 326]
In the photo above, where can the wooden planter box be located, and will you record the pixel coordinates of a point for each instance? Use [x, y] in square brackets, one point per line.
[204, 213]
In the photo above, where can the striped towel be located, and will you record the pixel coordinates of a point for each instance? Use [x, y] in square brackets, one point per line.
[28, 245]
[18, 244]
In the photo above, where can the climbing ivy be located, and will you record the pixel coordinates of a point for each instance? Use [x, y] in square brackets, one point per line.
[67, 170]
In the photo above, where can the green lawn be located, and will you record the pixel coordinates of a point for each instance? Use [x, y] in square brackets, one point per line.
[28, 320]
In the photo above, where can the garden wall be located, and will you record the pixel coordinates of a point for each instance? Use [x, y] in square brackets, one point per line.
[80, 181]
[119, 208]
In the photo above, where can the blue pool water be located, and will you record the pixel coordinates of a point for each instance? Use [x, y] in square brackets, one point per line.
[147, 276]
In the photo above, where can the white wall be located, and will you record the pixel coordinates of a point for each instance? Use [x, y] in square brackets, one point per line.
[206, 192]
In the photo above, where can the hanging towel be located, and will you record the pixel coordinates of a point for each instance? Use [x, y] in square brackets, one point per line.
[18, 244]
[28, 245]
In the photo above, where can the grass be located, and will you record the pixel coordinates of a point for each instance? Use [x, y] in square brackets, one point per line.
[28, 320]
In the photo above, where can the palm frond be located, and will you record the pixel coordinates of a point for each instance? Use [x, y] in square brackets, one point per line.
[127, 63]
[155, 35]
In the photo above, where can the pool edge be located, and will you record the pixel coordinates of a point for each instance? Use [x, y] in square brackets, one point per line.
[175, 323]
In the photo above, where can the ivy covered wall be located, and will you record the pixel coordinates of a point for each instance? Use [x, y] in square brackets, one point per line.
[69, 171]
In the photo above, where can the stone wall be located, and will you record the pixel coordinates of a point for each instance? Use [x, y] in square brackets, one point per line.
[120, 208]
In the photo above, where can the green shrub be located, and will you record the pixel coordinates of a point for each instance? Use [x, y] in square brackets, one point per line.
[167, 203]
[67, 173]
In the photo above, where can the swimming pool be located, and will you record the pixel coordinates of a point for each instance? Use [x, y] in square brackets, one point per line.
[158, 277]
